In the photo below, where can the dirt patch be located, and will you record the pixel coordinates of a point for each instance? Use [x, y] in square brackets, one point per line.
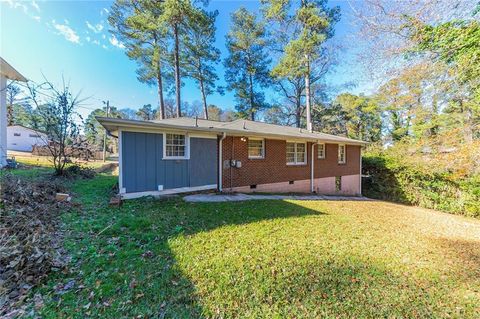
[30, 240]
[107, 168]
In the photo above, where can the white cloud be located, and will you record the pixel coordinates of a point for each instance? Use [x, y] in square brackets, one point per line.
[104, 46]
[35, 5]
[17, 4]
[95, 28]
[37, 18]
[104, 11]
[67, 32]
[96, 42]
[114, 41]
[88, 39]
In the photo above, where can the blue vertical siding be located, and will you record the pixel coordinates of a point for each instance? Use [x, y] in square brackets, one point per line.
[203, 161]
[144, 169]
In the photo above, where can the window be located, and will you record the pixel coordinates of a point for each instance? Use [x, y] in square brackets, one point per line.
[34, 135]
[338, 183]
[175, 146]
[342, 156]
[256, 148]
[321, 150]
[17, 134]
[296, 153]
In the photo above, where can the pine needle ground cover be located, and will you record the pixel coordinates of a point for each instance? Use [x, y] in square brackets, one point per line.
[263, 259]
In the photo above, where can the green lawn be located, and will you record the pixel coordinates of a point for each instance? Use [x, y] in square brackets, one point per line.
[264, 259]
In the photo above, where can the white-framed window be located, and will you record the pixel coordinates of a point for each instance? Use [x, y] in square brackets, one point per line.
[175, 146]
[321, 150]
[342, 154]
[296, 153]
[256, 148]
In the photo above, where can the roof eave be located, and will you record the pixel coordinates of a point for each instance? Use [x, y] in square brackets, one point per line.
[113, 124]
[9, 72]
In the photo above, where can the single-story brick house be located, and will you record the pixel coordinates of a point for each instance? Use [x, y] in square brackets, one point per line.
[186, 154]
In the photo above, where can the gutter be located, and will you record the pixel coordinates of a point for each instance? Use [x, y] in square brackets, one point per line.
[220, 161]
[114, 122]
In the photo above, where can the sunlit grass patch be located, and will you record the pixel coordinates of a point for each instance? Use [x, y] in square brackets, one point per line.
[264, 259]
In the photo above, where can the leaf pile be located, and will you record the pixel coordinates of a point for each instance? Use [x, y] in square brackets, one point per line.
[30, 244]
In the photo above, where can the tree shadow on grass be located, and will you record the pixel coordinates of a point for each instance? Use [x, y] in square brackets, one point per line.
[122, 262]
[156, 259]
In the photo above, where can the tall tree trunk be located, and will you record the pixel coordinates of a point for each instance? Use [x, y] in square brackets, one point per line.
[160, 91]
[202, 89]
[177, 70]
[10, 114]
[157, 51]
[307, 95]
[204, 99]
[252, 108]
[298, 103]
[298, 111]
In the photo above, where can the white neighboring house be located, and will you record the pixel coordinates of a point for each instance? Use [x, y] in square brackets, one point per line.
[21, 138]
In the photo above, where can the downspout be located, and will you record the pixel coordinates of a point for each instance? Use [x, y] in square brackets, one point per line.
[360, 186]
[312, 173]
[220, 160]
[121, 189]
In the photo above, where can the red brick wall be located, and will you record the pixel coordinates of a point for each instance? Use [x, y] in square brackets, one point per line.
[329, 166]
[273, 168]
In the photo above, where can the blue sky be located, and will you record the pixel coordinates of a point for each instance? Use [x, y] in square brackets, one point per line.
[71, 38]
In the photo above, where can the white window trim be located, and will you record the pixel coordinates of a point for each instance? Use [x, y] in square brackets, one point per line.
[187, 147]
[345, 154]
[263, 148]
[305, 157]
[324, 151]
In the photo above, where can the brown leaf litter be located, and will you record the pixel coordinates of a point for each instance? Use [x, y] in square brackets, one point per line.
[30, 240]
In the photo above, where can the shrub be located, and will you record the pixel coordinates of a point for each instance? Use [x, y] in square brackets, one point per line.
[391, 178]
[77, 171]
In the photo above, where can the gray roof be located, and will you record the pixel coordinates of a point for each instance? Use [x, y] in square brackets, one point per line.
[190, 122]
[236, 127]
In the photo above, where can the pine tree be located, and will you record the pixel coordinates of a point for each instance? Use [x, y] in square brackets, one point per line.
[175, 18]
[201, 54]
[138, 26]
[247, 64]
[362, 116]
[312, 26]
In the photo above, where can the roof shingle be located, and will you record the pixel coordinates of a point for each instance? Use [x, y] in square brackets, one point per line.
[237, 127]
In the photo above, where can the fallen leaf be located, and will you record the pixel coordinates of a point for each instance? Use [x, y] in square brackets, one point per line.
[133, 284]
